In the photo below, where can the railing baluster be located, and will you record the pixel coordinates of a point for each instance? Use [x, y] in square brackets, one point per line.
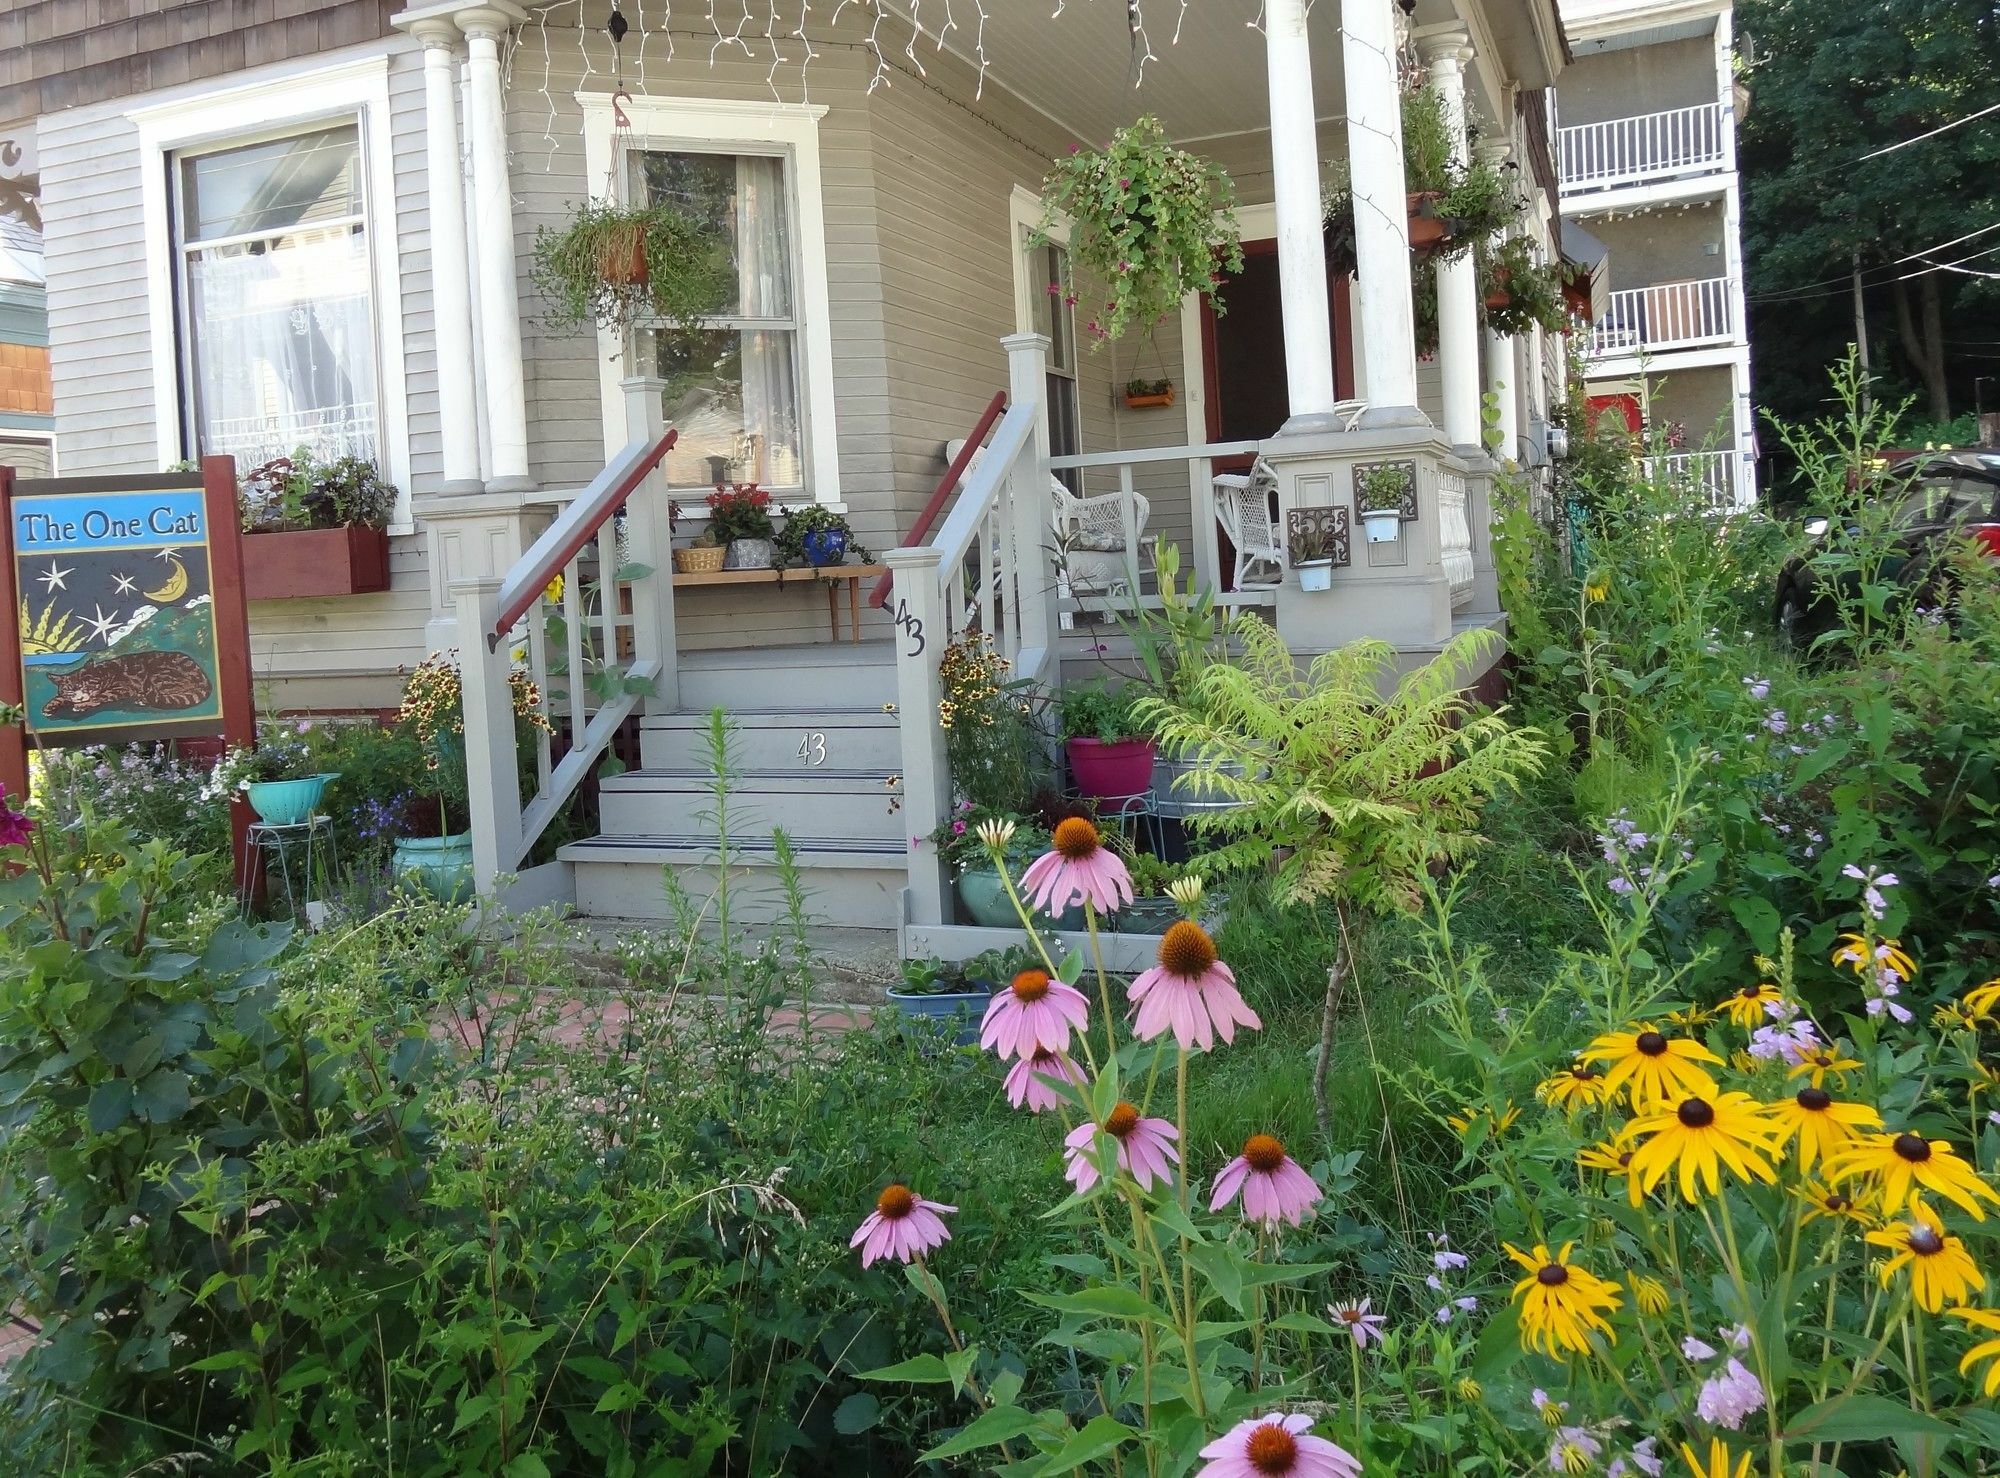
[573, 623]
[538, 674]
[1128, 514]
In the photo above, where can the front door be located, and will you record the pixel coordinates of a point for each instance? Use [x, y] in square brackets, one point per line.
[1243, 358]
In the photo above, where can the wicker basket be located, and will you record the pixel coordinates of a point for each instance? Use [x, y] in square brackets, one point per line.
[699, 559]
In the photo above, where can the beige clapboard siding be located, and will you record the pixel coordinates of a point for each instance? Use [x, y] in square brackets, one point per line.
[314, 653]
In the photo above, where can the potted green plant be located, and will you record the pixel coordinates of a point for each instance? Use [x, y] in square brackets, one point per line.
[619, 268]
[1149, 222]
[1380, 490]
[981, 893]
[1152, 909]
[1142, 394]
[280, 778]
[1312, 556]
[1110, 753]
[316, 528]
[1519, 293]
[817, 536]
[1449, 205]
[739, 518]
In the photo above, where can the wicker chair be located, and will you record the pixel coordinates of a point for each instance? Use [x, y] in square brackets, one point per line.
[1243, 505]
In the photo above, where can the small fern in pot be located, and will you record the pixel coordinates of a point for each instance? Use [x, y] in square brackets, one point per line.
[618, 267]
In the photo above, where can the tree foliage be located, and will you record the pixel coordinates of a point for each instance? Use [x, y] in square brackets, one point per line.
[1829, 83]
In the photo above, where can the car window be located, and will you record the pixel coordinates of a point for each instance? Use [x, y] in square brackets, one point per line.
[1940, 501]
[1979, 498]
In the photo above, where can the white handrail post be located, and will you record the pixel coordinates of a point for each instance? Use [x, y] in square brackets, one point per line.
[1207, 552]
[492, 780]
[1032, 525]
[921, 633]
[649, 542]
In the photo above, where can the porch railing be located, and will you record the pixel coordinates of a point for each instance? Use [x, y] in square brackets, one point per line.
[586, 614]
[1668, 315]
[982, 571]
[1642, 148]
[941, 494]
[1715, 474]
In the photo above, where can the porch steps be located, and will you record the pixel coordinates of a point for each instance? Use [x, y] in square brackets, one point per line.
[816, 749]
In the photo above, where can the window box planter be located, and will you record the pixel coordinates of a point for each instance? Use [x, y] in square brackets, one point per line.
[1148, 399]
[289, 564]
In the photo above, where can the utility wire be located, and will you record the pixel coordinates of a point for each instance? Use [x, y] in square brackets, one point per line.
[1846, 280]
[1951, 266]
[1941, 128]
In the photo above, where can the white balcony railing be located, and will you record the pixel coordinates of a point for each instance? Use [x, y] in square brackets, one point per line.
[1714, 473]
[1668, 315]
[1650, 146]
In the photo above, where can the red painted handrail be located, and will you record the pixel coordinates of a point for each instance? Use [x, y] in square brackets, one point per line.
[947, 485]
[576, 527]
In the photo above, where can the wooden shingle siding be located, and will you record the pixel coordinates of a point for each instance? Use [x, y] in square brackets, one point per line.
[57, 54]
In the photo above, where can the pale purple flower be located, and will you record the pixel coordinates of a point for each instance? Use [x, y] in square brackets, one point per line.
[1726, 1399]
[1775, 722]
[1697, 1351]
[1442, 1257]
[1790, 1041]
[1642, 1457]
[1357, 1321]
[1738, 1335]
[1760, 688]
[1572, 1440]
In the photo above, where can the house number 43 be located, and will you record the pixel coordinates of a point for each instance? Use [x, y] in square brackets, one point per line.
[812, 748]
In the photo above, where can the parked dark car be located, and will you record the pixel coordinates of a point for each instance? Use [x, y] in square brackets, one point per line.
[1939, 499]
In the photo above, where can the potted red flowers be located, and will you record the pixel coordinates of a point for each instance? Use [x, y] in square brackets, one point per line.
[1110, 753]
[740, 518]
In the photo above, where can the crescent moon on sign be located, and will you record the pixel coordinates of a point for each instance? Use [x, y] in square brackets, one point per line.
[174, 589]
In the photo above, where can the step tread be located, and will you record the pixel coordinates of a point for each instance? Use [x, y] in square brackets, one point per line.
[879, 653]
[808, 852]
[746, 779]
[875, 715]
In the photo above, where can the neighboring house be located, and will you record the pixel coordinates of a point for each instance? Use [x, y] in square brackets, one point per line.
[27, 404]
[1646, 138]
[255, 239]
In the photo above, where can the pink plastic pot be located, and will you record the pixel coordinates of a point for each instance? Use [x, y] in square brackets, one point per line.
[1115, 770]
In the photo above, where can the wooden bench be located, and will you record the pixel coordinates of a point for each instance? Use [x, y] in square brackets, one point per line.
[834, 577]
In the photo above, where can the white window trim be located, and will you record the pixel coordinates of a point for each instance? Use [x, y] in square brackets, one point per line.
[278, 104]
[1024, 214]
[662, 122]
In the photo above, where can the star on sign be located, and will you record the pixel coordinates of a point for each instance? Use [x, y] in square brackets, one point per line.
[101, 626]
[124, 584]
[168, 553]
[54, 577]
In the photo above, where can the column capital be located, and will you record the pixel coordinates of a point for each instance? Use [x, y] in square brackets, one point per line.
[440, 23]
[1494, 152]
[1445, 47]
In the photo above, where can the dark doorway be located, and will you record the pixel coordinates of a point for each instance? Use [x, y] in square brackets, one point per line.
[1245, 348]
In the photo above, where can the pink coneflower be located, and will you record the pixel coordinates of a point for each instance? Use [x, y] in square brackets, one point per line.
[1190, 992]
[1029, 1081]
[1079, 868]
[1032, 1015]
[1357, 1321]
[1276, 1446]
[1145, 1149]
[903, 1225]
[1274, 1187]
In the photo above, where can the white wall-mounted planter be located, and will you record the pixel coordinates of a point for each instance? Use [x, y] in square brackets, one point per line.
[1316, 575]
[1382, 525]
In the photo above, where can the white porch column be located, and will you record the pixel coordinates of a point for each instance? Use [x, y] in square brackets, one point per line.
[1381, 224]
[451, 281]
[1501, 381]
[1301, 240]
[493, 227]
[1447, 51]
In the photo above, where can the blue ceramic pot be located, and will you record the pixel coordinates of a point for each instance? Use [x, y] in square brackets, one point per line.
[440, 866]
[825, 546]
[288, 802]
[965, 1007]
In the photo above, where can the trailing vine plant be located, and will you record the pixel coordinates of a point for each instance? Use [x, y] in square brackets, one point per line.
[1150, 222]
[1517, 290]
[620, 268]
[1475, 198]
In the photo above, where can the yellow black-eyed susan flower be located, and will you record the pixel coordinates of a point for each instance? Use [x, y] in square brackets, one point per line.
[1703, 1136]
[1649, 1294]
[1465, 1119]
[1819, 1122]
[1821, 1062]
[1954, 1018]
[1834, 1204]
[1903, 1164]
[1751, 1006]
[1690, 1016]
[1651, 1067]
[1982, 1000]
[1941, 1270]
[1470, 1389]
[1852, 951]
[1988, 1320]
[1606, 1157]
[1561, 1303]
[1718, 1463]
[1982, 1079]
[1577, 1086]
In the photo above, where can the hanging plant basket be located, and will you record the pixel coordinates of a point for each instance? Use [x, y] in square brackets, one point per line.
[619, 268]
[1428, 228]
[1145, 394]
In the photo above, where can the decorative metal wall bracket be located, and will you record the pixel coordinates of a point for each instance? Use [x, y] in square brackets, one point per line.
[1321, 529]
[1406, 502]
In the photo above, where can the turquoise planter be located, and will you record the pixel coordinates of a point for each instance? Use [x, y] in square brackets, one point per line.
[966, 1008]
[441, 866]
[288, 802]
[984, 898]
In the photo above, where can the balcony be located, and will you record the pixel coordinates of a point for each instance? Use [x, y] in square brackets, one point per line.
[1668, 315]
[1645, 149]
[1714, 475]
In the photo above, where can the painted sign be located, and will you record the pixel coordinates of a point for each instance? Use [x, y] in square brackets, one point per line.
[115, 602]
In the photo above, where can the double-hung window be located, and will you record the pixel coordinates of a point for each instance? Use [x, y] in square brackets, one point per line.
[275, 286]
[733, 386]
[1055, 318]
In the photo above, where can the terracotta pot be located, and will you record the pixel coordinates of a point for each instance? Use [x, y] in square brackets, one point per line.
[1426, 227]
[1139, 402]
[294, 563]
[1115, 770]
[1500, 297]
[621, 256]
